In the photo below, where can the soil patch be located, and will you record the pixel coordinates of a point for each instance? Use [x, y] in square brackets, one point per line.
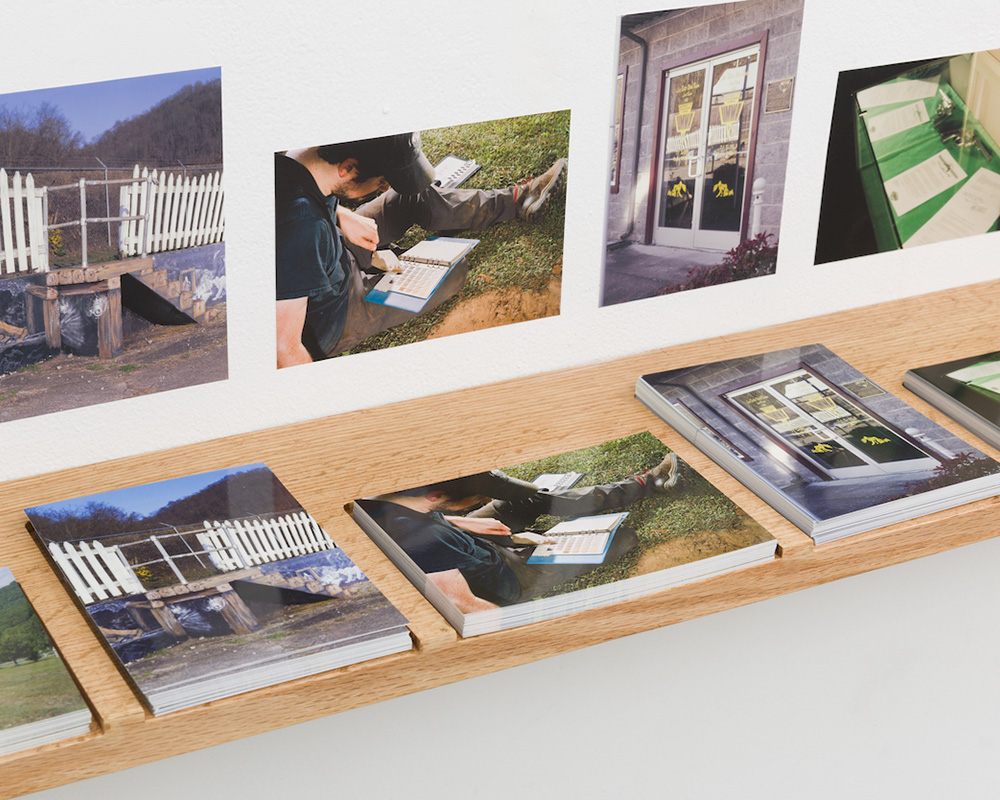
[695, 546]
[153, 360]
[287, 633]
[500, 307]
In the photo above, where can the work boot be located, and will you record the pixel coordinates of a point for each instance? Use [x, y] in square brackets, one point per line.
[667, 476]
[531, 197]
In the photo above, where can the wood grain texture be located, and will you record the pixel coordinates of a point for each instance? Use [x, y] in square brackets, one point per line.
[325, 467]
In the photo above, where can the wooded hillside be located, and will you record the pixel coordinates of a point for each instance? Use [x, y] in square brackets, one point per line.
[185, 127]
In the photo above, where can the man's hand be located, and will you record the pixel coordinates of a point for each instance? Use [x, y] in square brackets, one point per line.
[484, 526]
[357, 229]
[387, 261]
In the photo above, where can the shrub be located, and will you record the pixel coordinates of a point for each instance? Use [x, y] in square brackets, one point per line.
[964, 467]
[749, 259]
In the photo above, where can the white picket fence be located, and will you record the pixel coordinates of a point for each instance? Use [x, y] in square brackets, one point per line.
[23, 247]
[237, 544]
[177, 212]
[98, 572]
[94, 571]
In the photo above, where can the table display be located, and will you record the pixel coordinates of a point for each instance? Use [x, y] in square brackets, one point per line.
[929, 169]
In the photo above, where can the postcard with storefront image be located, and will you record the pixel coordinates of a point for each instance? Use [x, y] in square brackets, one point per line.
[39, 702]
[826, 446]
[561, 534]
[418, 234]
[701, 122]
[215, 584]
[913, 157]
[112, 241]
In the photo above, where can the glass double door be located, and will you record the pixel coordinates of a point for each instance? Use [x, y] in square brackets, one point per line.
[834, 434]
[705, 142]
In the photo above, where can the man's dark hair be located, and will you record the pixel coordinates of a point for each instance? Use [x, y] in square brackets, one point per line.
[398, 158]
[363, 151]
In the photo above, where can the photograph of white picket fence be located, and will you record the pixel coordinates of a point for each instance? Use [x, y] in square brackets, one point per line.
[100, 572]
[158, 211]
[163, 211]
[237, 544]
[24, 241]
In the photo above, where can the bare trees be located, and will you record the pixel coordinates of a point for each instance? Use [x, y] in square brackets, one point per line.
[34, 136]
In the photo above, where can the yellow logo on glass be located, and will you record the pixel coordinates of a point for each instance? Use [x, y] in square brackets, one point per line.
[722, 190]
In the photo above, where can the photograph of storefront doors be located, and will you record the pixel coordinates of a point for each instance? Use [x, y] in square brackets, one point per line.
[705, 146]
[829, 432]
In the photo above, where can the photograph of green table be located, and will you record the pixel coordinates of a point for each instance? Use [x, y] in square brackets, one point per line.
[879, 160]
[912, 157]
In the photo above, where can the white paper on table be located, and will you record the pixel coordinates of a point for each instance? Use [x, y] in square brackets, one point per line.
[882, 126]
[920, 183]
[976, 371]
[898, 92]
[971, 211]
[991, 385]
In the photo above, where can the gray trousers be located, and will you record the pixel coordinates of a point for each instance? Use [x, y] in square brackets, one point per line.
[434, 209]
[539, 579]
[520, 514]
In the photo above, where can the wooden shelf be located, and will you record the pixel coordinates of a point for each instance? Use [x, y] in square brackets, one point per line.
[326, 463]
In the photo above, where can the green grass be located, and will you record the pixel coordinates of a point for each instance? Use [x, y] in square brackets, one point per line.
[655, 518]
[34, 691]
[512, 254]
[8, 395]
[129, 368]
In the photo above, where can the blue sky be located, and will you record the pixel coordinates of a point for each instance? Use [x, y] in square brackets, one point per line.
[146, 499]
[5, 577]
[92, 108]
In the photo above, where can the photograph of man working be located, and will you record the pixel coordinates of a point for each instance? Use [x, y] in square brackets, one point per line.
[325, 252]
[471, 535]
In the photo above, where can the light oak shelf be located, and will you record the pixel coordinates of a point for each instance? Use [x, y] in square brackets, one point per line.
[326, 463]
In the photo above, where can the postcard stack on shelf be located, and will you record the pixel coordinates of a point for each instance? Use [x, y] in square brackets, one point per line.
[827, 447]
[39, 702]
[214, 584]
[494, 550]
[967, 390]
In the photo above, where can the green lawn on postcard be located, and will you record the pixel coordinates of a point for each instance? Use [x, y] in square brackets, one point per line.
[34, 691]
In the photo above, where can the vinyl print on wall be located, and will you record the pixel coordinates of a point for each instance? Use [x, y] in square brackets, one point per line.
[913, 156]
[116, 289]
[699, 146]
[416, 235]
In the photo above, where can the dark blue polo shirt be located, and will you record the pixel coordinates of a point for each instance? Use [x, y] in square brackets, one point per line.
[310, 259]
[435, 545]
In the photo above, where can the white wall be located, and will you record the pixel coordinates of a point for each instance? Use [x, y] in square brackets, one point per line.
[335, 71]
[879, 686]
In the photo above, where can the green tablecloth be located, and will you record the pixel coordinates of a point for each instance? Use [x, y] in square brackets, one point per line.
[886, 158]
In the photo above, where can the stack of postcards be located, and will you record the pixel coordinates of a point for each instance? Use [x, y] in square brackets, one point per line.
[215, 584]
[39, 702]
[967, 390]
[625, 518]
[829, 448]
